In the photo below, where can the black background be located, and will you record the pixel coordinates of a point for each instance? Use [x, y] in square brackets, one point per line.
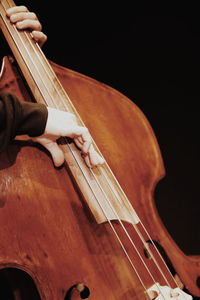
[154, 60]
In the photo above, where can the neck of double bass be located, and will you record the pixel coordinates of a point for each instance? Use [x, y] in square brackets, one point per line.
[27, 53]
[99, 187]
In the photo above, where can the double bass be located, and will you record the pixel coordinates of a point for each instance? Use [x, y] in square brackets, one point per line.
[77, 232]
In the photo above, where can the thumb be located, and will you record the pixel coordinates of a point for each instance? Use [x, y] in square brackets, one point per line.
[55, 151]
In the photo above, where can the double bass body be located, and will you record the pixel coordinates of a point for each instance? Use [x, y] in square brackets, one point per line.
[47, 229]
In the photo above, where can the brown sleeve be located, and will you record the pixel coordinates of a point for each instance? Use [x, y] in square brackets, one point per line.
[19, 117]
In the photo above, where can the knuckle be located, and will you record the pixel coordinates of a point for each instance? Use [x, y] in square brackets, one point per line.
[44, 37]
[72, 116]
[36, 25]
[23, 8]
[13, 17]
[20, 25]
[33, 15]
[39, 26]
[85, 129]
[85, 133]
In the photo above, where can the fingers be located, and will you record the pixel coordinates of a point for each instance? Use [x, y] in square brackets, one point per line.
[62, 123]
[16, 9]
[93, 159]
[23, 19]
[83, 140]
[22, 16]
[39, 37]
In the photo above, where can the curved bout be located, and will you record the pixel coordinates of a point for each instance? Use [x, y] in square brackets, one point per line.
[17, 284]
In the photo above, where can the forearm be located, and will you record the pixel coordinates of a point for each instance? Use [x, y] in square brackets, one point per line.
[19, 117]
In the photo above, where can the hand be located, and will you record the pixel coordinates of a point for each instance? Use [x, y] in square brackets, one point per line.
[158, 292]
[173, 294]
[24, 19]
[63, 124]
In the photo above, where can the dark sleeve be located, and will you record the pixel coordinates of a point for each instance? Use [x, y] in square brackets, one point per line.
[19, 117]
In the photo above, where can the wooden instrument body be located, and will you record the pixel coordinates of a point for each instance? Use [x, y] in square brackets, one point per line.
[47, 230]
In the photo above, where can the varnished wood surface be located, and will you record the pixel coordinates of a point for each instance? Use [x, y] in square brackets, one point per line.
[42, 213]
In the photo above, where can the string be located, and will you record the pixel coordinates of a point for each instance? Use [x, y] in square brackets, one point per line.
[103, 210]
[149, 251]
[135, 227]
[153, 244]
[109, 203]
[118, 219]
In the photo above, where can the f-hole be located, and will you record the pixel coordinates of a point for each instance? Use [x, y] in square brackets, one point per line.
[78, 291]
[16, 284]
